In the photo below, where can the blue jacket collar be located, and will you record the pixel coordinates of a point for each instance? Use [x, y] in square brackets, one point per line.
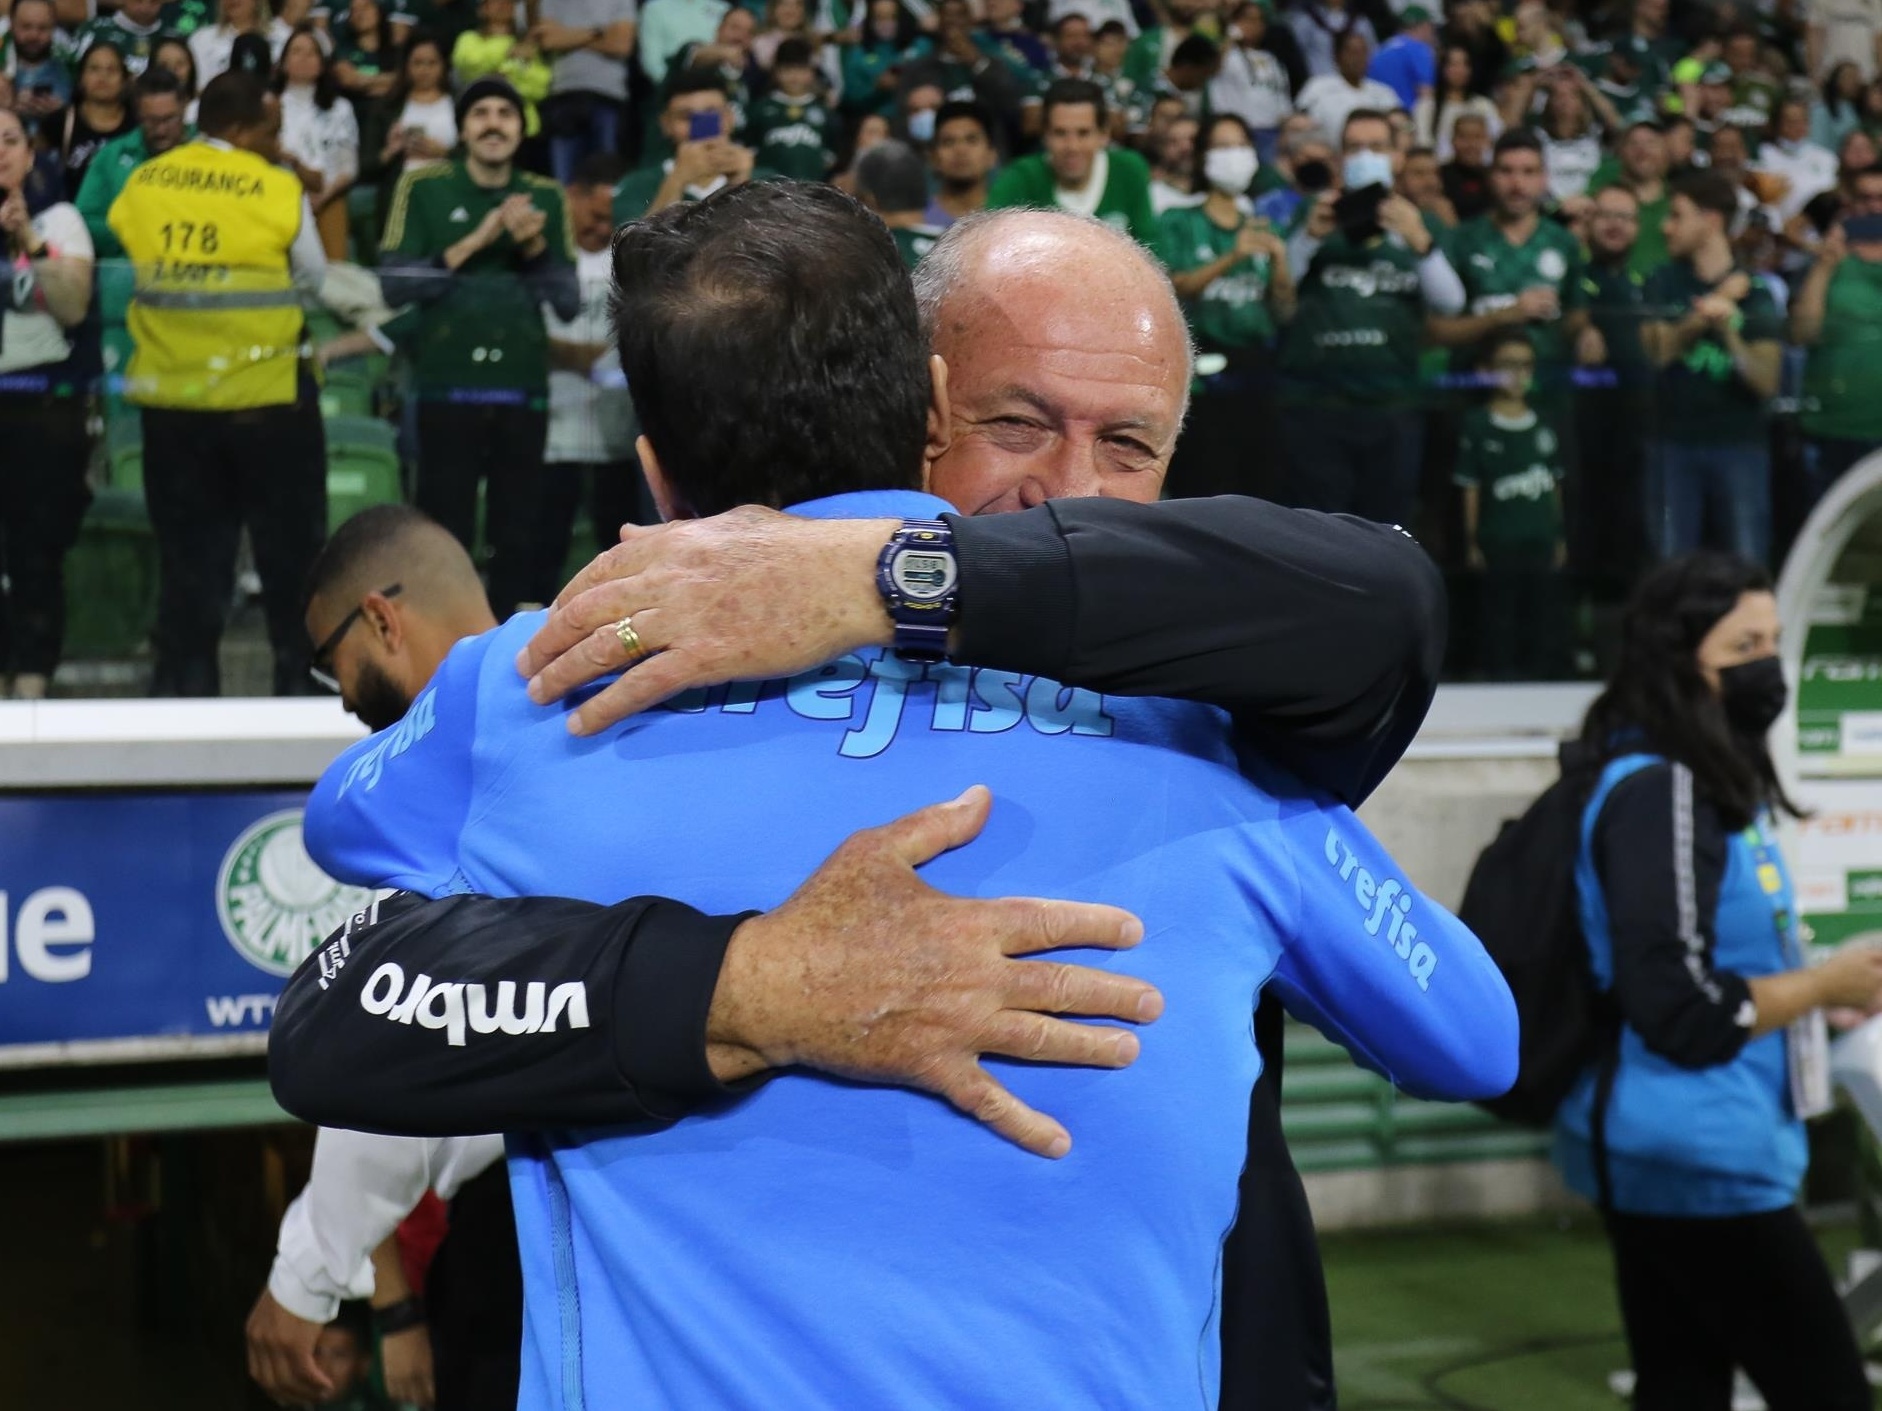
[874, 504]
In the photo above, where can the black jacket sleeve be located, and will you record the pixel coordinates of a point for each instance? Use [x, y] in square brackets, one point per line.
[1661, 854]
[1322, 634]
[481, 1014]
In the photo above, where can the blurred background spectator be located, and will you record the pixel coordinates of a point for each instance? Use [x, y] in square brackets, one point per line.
[100, 111]
[319, 133]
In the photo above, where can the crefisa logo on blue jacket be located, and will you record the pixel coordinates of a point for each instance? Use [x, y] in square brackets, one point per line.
[276, 906]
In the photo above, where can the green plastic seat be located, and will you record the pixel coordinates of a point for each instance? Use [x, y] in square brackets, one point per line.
[362, 467]
[111, 578]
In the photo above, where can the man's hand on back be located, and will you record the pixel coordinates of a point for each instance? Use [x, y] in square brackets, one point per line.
[746, 595]
[869, 973]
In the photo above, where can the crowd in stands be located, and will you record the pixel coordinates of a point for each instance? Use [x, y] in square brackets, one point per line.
[1565, 286]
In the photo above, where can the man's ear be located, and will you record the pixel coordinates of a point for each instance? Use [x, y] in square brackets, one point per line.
[664, 498]
[384, 620]
[940, 418]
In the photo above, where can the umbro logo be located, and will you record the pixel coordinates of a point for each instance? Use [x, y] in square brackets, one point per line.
[460, 214]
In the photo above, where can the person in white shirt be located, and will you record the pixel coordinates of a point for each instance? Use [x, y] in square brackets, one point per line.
[425, 129]
[1843, 31]
[1809, 169]
[1437, 113]
[1172, 173]
[1320, 25]
[42, 416]
[1331, 97]
[1252, 83]
[591, 419]
[213, 45]
[319, 134]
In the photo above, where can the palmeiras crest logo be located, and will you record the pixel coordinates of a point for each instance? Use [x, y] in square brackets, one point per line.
[274, 903]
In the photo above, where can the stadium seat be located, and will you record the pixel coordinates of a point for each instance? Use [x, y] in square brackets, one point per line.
[111, 578]
[362, 467]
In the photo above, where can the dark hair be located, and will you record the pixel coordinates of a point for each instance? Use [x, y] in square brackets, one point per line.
[907, 30]
[1658, 129]
[599, 169]
[402, 86]
[1111, 27]
[1832, 103]
[794, 52]
[157, 82]
[1345, 36]
[78, 68]
[1200, 156]
[1194, 52]
[326, 88]
[1709, 191]
[957, 109]
[1657, 701]
[350, 550]
[346, 27]
[1502, 338]
[1057, 27]
[1069, 93]
[1516, 139]
[680, 82]
[1360, 115]
[231, 102]
[893, 178]
[186, 91]
[770, 337]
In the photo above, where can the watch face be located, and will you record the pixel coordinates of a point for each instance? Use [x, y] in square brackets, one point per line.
[921, 576]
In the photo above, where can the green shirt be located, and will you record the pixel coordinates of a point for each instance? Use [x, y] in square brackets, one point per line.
[1617, 304]
[793, 136]
[1754, 102]
[134, 46]
[914, 241]
[638, 188]
[1358, 326]
[1649, 251]
[1701, 398]
[1515, 466]
[1124, 204]
[1232, 312]
[185, 17]
[111, 166]
[1495, 272]
[1843, 377]
[485, 331]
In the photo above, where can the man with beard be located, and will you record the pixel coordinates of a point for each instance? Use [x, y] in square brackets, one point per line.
[973, 1269]
[962, 155]
[38, 58]
[474, 247]
[1230, 601]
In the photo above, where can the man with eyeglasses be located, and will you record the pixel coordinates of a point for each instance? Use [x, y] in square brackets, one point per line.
[1612, 403]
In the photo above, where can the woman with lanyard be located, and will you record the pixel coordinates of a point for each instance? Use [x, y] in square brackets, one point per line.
[1230, 273]
[43, 404]
[1688, 1133]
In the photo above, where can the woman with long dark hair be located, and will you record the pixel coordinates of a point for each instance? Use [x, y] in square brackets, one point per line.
[1452, 98]
[172, 52]
[1688, 1132]
[100, 110]
[319, 134]
[43, 403]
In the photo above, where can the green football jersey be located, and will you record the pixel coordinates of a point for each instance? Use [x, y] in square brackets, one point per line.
[1232, 312]
[1843, 377]
[133, 43]
[1123, 205]
[1495, 272]
[914, 241]
[1515, 466]
[792, 136]
[1701, 398]
[1617, 303]
[486, 331]
[1358, 328]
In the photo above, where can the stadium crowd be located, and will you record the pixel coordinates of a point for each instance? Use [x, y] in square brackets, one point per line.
[1564, 287]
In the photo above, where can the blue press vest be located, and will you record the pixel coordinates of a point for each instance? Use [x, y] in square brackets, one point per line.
[1712, 1141]
[827, 1245]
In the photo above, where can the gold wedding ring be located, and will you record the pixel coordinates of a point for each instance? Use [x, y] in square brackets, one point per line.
[630, 640]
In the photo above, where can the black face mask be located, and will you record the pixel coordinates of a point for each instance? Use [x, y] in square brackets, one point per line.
[377, 701]
[1753, 694]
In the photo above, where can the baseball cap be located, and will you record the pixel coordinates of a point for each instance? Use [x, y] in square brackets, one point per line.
[1633, 48]
[489, 86]
[1413, 15]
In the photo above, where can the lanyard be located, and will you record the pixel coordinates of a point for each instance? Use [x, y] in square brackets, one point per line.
[1807, 1039]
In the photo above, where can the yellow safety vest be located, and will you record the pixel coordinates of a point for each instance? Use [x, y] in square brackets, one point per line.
[215, 318]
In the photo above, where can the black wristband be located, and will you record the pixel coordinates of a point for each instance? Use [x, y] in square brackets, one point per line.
[399, 1317]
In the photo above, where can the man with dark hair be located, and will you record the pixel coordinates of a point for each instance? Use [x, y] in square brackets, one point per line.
[892, 180]
[696, 119]
[220, 238]
[1716, 338]
[1639, 166]
[160, 126]
[1193, 64]
[963, 155]
[473, 247]
[1837, 315]
[1467, 175]
[37, 56]
[1519, 270]
[1080, 170]
[741, 1272]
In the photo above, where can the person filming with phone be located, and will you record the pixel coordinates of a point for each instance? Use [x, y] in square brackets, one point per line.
[697, 120]
[1837, 315]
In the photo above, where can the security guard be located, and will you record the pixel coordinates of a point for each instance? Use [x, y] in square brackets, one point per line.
[220, 237]
[474, 248]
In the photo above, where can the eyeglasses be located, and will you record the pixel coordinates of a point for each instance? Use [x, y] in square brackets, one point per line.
[321, 666]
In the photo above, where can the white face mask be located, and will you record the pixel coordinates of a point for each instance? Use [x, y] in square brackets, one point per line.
[1230, 169]
[921, 124]
[1365, 169]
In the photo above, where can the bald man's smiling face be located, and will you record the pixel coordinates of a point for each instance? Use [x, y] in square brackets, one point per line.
[1067, 367]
